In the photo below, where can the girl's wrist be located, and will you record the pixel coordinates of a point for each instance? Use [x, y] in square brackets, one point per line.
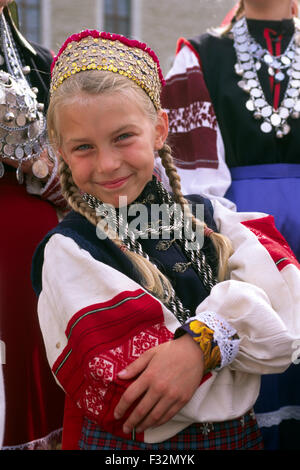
[204, 337]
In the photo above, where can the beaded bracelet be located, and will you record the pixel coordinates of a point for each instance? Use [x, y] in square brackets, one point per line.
[204, 336]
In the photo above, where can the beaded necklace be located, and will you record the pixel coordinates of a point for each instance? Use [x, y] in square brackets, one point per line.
[250, 56]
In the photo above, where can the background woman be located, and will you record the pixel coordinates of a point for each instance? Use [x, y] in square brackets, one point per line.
[233, 102]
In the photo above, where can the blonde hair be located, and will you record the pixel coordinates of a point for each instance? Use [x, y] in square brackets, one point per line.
[94, 83]
[223, 30]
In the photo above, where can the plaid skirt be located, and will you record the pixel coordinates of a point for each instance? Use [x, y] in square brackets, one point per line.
[241, 433]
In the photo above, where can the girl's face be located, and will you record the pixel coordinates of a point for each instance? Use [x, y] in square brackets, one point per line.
[108, 142]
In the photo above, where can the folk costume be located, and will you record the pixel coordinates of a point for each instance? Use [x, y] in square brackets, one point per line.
[33, 404]
[96, 317]
[233, 105]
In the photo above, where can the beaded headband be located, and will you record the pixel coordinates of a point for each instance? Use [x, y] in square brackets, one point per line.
[95, 50]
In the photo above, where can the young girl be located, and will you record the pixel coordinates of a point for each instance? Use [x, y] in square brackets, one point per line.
[158, 339]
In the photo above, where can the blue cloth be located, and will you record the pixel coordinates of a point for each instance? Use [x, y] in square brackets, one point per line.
[275, 189]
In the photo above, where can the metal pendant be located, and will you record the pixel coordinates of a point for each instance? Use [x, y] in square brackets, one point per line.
[285, 60]
[21, 120]
[20, 175]
[164, 245]
[181, 267]
[19, 153]
[250, 57]
[279, 76]
[284, 113]
[268, 59]
[266, 111]
[266, 127]
[8, 150]
[275, 120]
[40, 169]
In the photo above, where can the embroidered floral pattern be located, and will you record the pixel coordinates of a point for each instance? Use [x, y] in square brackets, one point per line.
[102, 369]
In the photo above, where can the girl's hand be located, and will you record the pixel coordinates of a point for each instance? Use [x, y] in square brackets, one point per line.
[169, 375]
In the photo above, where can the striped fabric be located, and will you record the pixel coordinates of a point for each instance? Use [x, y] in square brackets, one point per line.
[237, 434]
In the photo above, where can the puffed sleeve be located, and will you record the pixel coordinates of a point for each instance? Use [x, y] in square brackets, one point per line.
[260, 299]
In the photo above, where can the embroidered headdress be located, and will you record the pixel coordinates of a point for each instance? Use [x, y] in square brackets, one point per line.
[95, 50]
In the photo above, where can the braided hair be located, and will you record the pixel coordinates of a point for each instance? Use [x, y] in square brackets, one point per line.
[95, 82]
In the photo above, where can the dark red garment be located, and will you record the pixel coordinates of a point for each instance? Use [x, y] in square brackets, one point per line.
[34, 401]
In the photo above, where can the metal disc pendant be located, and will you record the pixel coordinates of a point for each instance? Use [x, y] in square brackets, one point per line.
[20, 175]
[260, 103]
[242, 47]
[266, 127]
[253, 83]
[250, 105]
[275, 119]
[181, 267]
[297, 106]
[245, 57]
[2, 171]
[249, 74]
[40, 169]
[288, 103]
[284, 113]
[271, 71]
[295, 84]
[247, 65]
[19, 153]
[279, 76]
[21, 120]
[8, 150]
[285, 60]
[266, 111]
[268, 59]
[256, 92]
[293, 92]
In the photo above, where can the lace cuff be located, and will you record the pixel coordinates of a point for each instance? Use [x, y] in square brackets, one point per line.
[217, 339]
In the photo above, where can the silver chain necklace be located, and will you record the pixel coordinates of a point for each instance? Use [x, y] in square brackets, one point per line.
[196, 257]
[250, 56]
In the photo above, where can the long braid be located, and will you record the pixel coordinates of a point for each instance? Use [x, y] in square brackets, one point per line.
[239, 12]
[221, 243]
[153, 280]
[72, 195]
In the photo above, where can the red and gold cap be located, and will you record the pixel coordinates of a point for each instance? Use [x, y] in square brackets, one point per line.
[95, 50]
